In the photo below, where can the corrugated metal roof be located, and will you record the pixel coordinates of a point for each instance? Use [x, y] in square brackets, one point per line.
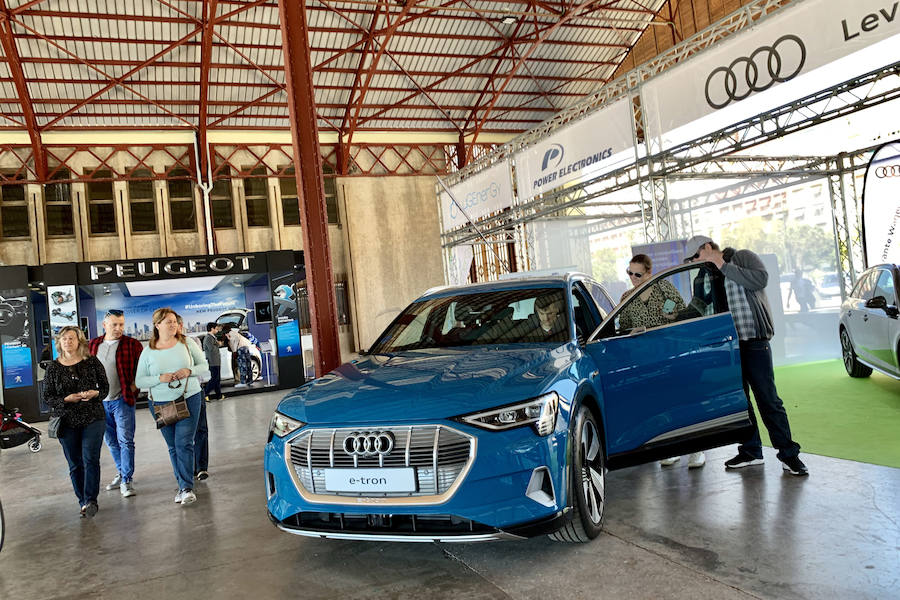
[138, 63]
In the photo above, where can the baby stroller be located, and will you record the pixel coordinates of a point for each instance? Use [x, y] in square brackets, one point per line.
[15, 432]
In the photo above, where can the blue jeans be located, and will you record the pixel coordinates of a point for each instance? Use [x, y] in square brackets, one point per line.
[81, 445]
[215, 381]
[180, 440]
[201, 442]
[120, 435]
[756, 365]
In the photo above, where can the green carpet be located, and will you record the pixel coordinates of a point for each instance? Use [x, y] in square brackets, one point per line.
[835, 415]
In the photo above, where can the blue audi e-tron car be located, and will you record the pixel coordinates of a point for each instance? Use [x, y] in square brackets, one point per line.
[494, 410]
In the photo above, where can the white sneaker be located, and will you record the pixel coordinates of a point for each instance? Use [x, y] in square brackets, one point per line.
[240, 385]
[696, 460]
[668, 462]
[188, 497]
[179, 496]
[127, 489]
[117, 480]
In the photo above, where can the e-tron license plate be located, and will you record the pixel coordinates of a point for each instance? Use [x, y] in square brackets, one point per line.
[370, 480]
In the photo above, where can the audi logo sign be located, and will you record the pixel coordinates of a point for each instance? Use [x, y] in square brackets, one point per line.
[763, 68]
[367, 444]
[887, 171]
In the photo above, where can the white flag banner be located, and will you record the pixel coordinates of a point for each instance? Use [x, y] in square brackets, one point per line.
[479, 195]
[583, 149]
[460, 263]
[783, 47]
[881, 206]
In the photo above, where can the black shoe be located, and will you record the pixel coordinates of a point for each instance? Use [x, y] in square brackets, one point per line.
[794, 466]
[91, 509]
[743, 459]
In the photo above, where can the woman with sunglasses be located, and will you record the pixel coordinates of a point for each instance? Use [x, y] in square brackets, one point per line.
[647, 311]
[169, 367]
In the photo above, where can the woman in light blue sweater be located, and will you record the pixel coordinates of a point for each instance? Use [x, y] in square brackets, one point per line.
[168, 367]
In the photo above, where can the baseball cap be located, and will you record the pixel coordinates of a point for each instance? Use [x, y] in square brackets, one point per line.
[692, 246]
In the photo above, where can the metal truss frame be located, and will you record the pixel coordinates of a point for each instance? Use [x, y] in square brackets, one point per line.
[858, 93]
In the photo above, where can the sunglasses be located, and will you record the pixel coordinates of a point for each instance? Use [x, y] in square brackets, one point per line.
[633, 274]
[692, 258]
[177, 385]
[115, 312]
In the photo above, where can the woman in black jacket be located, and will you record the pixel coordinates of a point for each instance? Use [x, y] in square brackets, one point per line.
[75, 386]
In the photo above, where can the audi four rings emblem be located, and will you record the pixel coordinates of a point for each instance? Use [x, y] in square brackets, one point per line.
[369, 443]
[780, 62]
[887, 171]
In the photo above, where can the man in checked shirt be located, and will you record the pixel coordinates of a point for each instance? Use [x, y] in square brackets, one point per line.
[745, 285]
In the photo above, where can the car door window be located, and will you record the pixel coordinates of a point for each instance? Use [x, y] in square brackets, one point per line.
[585, 319]
[863, 289]
[689, 293]
[884, 286]
[603, 302]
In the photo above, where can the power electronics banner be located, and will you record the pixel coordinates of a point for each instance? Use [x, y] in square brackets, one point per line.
[586, 148]
[797, 40]
[881, 206]
[479, 195]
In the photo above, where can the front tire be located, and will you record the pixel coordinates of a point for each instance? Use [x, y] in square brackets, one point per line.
[35, 445]
[853, 366]
[587, 473]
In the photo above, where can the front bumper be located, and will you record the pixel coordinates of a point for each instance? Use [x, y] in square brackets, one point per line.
[407, 528]
[491, 501]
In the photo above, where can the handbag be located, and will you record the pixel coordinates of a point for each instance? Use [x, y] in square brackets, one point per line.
[169, 413]
[54, 425]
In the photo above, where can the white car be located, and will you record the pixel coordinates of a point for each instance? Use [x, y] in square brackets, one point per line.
[870, 323]
[238, 318]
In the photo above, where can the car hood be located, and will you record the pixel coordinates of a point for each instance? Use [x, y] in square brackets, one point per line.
[435, 383]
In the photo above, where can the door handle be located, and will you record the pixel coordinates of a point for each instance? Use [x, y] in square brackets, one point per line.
[724, 340]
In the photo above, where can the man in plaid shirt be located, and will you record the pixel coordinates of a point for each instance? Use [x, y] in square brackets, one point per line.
[119, 355]
[745, 285]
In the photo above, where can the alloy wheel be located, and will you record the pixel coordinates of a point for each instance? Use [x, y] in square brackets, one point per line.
[593, 485]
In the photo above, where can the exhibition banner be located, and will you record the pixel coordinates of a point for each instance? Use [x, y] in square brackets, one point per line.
[881, 206]
[586, 148]
[196, 308]
[63, 306]
[479, 195]
[151, 269]
[799, 39]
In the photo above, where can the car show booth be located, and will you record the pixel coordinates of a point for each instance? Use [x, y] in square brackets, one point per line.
[258, 293]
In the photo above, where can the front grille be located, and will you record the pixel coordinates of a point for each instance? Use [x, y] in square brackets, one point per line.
[437, 454]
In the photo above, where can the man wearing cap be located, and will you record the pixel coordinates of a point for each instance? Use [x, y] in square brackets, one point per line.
[745, 285]
[119, 355]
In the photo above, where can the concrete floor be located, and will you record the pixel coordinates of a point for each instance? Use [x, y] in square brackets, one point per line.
[669, 533]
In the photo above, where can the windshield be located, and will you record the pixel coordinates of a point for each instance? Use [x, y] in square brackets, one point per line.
[503, 317]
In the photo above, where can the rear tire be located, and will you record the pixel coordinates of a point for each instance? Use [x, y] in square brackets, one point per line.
[587, 475]
[853, 366]
[35, 445]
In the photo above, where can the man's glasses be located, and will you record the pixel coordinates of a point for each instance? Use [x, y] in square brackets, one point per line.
[115, 312]
[692, 258]
[633, 274]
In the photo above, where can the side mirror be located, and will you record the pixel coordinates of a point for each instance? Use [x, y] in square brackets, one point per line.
[877, 302]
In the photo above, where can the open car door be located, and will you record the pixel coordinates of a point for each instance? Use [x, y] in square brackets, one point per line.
[669, 369]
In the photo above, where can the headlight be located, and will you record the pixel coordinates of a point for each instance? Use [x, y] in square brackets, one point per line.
[281, 425]
[540, 412]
